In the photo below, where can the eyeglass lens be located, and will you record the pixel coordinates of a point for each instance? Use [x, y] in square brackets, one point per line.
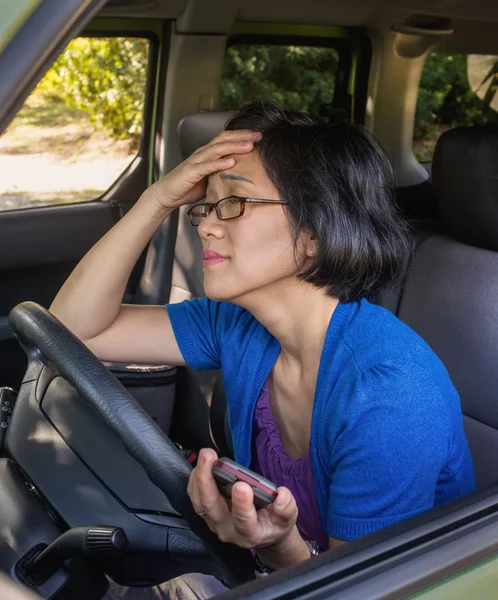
[228, 208]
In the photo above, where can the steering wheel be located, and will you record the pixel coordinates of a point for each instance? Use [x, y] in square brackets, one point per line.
[44, 337]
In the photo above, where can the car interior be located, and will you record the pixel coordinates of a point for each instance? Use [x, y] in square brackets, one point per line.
[90, 450]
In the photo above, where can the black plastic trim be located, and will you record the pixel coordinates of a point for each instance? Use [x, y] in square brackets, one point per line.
[117, 498]
[5, 330]
[160, 93]
[83, 225]
[143, 375]
[162, 519]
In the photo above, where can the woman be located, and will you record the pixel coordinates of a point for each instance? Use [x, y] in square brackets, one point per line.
[331, 397]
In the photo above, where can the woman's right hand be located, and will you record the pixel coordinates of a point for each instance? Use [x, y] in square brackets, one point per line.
[187, 182]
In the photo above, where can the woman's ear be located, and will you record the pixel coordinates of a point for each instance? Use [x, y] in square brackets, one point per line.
[311, 248]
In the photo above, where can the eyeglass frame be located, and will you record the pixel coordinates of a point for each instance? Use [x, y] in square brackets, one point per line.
[242, 201]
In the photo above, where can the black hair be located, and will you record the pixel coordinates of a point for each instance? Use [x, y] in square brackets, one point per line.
[340, 188]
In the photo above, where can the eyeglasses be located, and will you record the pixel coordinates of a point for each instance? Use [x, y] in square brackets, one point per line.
[226, 208]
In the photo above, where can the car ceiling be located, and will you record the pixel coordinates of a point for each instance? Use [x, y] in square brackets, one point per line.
[475, 22]
[319, 12]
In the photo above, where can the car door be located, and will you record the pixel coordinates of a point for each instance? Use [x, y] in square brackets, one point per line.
[78, 154]
[449, 552]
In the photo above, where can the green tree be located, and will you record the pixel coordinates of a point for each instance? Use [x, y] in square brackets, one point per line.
[298, 78]
[105, 78]
[446, 99]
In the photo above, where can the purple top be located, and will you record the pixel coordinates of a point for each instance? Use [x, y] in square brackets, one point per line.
[272, 461]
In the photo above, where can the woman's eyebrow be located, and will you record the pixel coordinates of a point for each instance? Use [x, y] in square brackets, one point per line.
[234, 177]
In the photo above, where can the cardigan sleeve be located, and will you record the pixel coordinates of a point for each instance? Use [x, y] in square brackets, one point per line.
[389, 451]
[201, 326]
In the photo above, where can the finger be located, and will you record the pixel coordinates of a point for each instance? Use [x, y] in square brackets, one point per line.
[284, 509]
[191, 483]
[237, 134]
[210, 499]
[244, 514]
[207, 168]
[222, 148]
[193, 491]
[194, 488]
[231, 137]
[192, 174]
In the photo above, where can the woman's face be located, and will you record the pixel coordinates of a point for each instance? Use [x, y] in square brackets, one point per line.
[258, 246]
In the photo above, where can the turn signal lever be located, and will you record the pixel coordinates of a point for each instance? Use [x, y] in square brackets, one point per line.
[92, 541]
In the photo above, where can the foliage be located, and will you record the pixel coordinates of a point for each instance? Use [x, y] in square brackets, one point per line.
[446, 99]
[105, 78]
[298, 78]
[303, 79]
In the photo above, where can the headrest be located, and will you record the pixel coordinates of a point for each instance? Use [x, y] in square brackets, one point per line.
[200, 128]
[465, 178]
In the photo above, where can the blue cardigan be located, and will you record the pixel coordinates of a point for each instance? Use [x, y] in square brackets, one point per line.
[387, 438]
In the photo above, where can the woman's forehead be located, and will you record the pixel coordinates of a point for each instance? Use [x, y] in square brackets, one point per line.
[248, 170]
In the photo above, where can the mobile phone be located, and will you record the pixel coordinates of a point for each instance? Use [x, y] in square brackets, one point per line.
[226, 472]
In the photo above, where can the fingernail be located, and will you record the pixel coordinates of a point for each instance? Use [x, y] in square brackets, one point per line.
[281, 501]
[239, 492]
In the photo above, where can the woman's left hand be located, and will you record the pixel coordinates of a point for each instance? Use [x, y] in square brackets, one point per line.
[237, 521]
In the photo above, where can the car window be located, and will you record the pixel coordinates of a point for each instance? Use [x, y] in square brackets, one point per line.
[80, 128]
[478, 581]
[455, 90]
[298, 77]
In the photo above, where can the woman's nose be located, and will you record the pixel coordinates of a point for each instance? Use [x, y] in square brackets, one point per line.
[211, 226]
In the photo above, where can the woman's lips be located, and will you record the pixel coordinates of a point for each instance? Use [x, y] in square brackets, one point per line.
[211, 258]
[212, 261]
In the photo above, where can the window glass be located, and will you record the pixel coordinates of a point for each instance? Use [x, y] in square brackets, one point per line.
[297, 77]
[80, 128]
[479, 581]
[455, 90]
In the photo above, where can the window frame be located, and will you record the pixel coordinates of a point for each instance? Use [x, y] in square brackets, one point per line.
[403, 560]
[145, 29]
[352, 45]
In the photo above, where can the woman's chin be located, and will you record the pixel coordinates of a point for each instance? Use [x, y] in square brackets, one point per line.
[218, 293]
[214, 292]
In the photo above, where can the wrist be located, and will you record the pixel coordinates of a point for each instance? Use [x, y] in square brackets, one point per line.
[150, 199]
[289, 551]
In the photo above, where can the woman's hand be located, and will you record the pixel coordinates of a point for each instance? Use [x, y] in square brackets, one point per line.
[273, 529]
[187, 182]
